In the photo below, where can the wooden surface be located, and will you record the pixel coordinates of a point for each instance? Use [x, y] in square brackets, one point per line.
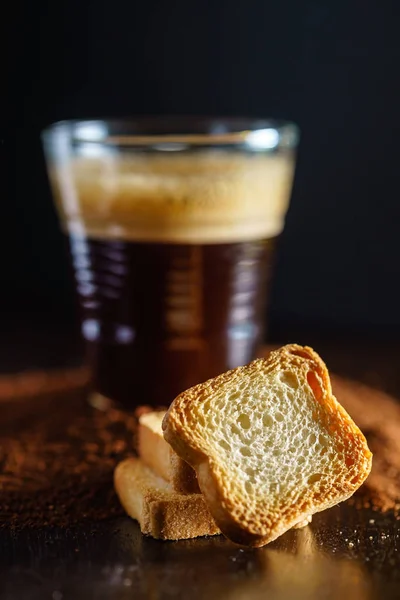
[63, 534]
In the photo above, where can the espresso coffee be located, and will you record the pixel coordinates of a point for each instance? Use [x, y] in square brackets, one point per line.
[159, 318]
[172, 257]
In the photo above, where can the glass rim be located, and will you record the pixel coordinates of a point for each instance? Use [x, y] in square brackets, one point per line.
[172, 129]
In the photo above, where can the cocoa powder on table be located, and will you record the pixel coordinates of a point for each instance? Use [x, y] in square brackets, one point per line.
[57, 454]
[378, 416]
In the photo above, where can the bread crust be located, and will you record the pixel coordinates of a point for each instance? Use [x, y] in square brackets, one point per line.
[152, 449]
[231, 512]
[161, 458]
[161, 512]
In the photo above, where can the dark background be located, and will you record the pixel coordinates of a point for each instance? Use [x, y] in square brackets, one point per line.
[332, 67]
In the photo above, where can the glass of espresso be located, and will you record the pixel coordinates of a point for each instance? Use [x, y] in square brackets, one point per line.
[172, 224]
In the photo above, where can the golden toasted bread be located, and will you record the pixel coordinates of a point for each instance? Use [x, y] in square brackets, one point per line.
[270, 444]
[161, 512]
[161, 458]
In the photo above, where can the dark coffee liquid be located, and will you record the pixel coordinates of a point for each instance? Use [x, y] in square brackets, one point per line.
[159, 318]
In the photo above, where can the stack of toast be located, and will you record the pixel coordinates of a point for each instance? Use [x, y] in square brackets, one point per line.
[160, 490]
[251, 453]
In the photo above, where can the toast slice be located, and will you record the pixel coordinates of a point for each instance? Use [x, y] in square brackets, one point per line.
[270, 444]
[161, 458]
[161, 512]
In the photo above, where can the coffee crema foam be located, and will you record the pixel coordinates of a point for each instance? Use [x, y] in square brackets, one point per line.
[203, 197]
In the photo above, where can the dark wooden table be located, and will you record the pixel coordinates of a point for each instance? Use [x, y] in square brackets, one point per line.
[76, 543]
[343, 554]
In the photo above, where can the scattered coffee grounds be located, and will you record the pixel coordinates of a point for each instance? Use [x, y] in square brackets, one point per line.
[378, 416]
[58, 454]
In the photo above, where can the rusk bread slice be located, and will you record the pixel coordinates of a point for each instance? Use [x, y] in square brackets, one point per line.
[270, 444]
[161, 458]
[161, 512]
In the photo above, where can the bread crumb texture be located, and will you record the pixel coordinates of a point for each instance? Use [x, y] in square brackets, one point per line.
[270, 444]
